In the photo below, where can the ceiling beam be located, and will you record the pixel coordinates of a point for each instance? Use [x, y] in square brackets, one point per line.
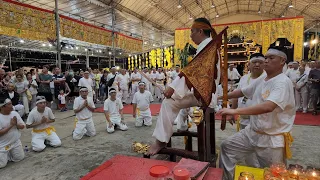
[205, 12]
[307, 7]
[227, 5]
[285, 9]
[315, 22]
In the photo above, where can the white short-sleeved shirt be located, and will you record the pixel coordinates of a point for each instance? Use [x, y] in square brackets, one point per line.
[113, 107]
[36, 116]
[62, 98]
[160, 77]
[234, 74]
[86, 83]
[13, 134]
[123, 80]
[115, 82]
[142, 100]
[174, 74]
[302, 80]
[135, 76]
[85, 113]
[153, 75]
[293, 74]
[245, 81]
[279, 90]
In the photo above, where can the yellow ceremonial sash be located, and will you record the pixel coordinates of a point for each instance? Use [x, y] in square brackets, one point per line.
[75, 122]
[238, 123]
[138, 111]
[288, 139]
[47, 130]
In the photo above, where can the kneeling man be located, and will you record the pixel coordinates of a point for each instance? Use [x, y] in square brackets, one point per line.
[113, 112]
[10, 144]
[141, 106]
[83, 106]
[40, 119]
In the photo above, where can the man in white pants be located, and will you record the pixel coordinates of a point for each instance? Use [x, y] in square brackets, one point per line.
[40, 119]
[153, 77]
[160, 82]
[272, 115]
[135, 79]
[87, 82]
[113, 112]
[124, 86]
[178, 96]
[141, 106]
[145, 80]
[83, 107]
[301, 91]
[10, 144]
[256, 73]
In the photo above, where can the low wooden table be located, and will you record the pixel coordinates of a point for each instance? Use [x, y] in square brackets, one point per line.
[133, 168]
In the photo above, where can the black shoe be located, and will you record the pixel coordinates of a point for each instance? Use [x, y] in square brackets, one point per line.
[314, 113]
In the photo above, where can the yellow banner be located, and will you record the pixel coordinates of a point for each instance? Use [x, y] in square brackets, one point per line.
[28, 22]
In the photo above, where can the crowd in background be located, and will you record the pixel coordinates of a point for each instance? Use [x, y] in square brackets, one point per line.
[22, 86]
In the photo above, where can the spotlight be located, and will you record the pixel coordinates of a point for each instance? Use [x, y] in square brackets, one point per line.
[50, 45]
[212, 5]
[43, 45]
[110, 53]
[21, 41]
[77, 48]
[179, 6]
[67, 47]
[100, 51]
[86, 49]
[120, 53]
[305, 43]
[217, 15]
[145, 42]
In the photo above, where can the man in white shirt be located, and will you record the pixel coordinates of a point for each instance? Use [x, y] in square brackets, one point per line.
[178, 95]
[10, 125]
[145, 80]
[153, 76]
[40, 119]
[135, 79]
[293, 73]
[111, 75]
[256, 74]
[87, 82]
[141, 106]
[175, 73]
[233, 74]
[83, 107]
[113, 112]
[271, 118]
[160, 82]
[124, 86]
[301, 91]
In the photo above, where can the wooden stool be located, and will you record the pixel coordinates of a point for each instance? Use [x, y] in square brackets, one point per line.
[206, 142]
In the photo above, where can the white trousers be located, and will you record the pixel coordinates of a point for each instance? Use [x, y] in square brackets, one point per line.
[124, 95]
[14, 152]
[25, 102]
[19, 108]
[82, 128]
[182, 119]
[158, 92]
[152, 89]
[116, 121]
[134, 88]
[38, 139]
[302, 95]
[168, 113]
[238, 147]
[143, 117]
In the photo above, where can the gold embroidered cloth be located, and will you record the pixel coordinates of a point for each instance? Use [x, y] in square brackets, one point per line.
[201, 72]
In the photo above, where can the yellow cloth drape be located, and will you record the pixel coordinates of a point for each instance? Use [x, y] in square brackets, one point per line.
[48, 130]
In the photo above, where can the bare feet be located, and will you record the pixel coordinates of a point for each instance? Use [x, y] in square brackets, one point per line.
[155, 148]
